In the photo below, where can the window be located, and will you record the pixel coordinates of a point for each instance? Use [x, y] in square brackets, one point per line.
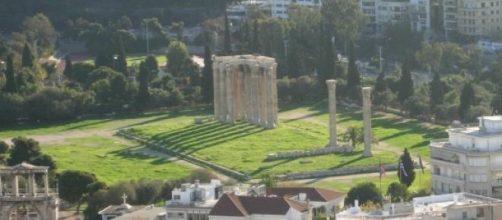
[480, 212]
[176, 197]
[477, 162]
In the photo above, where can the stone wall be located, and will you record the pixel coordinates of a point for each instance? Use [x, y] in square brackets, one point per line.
[336, 172]
[309, 153]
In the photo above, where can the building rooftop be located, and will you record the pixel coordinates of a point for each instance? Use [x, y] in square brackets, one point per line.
[313, 194]
[146, 213]
[233, 205]
[439, 203]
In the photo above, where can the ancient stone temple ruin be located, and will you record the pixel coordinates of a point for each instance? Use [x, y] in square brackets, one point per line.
[20, 196]
[368, 139]
[245, 90]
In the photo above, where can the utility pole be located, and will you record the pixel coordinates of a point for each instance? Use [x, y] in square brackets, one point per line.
[380, 58]
[147, 38]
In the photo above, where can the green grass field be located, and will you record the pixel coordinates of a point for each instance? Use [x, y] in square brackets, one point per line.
[422, 181]
[241, 147]
[389, 129]
[105, 158]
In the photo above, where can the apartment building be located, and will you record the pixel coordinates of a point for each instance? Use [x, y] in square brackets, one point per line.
[276, 8]
[470, 160]
[381, 13]
[476, 18]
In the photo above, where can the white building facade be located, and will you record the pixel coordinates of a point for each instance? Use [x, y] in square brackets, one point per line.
[474, 18]
[470, 160]
[193, 201]
[276, 8]
[382, 13]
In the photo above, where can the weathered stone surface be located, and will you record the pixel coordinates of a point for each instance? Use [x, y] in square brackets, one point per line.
[367, 121]
[245, 90]
[331, 84]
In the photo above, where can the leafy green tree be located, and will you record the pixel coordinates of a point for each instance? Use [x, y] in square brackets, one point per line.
[124, 23]
[40, 33]
[406, 172]
[44, 160]
[147, 192]
[12, 107]
[269, 180]
[4, 147]
[23, 150]
[177, 27]
[364, 193]
[27, 57]
[73, 186]
[398, 192]
[68, 68]
[207, 75]
[355, 135]
[345, 18]
[467, 99]
[177, 56]
[406, 88]
[327, 59]
[103, 58]
[10, 84]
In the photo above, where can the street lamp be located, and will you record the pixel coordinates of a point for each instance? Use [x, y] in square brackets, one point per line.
[115, 58]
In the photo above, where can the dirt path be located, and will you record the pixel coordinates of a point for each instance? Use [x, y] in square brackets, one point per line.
[62, 136]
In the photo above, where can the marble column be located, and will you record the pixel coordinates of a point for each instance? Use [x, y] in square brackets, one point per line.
[367, 121]
[216, 86]
[30, 185]
[270, 99]
[33, 185]
[46, 184]
[229, 95]
[254, 98]
[331, 84]
[223, 100]
[273, 92]
[15, 185]
[263, 98]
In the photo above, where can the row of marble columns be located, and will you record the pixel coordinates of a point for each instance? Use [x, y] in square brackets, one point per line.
[245, 90]
[31, 185]
[366, 93]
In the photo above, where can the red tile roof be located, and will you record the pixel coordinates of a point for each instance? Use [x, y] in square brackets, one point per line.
[233, 205]
[313, 194]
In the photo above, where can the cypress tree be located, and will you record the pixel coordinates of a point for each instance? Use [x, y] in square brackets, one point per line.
[467, 99]
[207, 75]
[68, 69]
[380, 85]
[121, 63]
[405, 171]
[143, 90]
[27, 57]
[255, 41]
[327, 58]
[227, 44]
[353, 77]
[405, 84]
[10, 84]
[103, 58]
[437, 91]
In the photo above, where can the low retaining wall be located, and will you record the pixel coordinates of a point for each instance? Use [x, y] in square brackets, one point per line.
[336, 172]
[157, 147]
[308, 153]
